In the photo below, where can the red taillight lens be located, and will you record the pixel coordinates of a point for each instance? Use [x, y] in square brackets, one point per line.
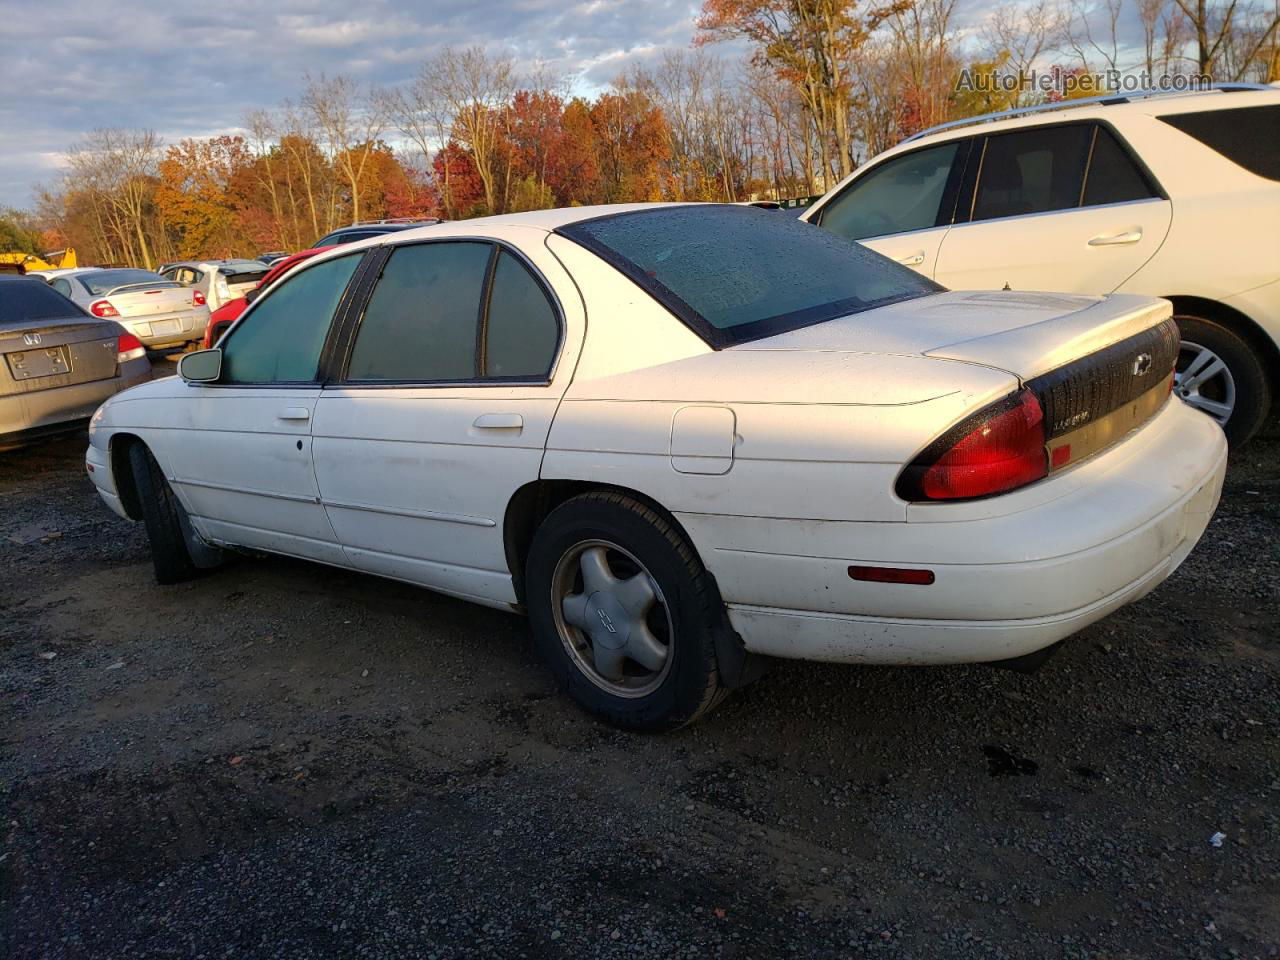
[197, 298]
[103, 308]
[128, 347]
[998, 450]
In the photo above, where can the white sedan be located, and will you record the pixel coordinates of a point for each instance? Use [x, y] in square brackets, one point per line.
[683, 439]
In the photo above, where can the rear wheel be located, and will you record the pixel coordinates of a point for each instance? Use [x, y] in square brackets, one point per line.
[1218, 374]
[167, 525]
[624, 613]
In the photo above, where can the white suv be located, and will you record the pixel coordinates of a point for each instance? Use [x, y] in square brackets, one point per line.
[1171, 195]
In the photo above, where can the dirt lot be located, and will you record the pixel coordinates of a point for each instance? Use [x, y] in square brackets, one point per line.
[283, 760]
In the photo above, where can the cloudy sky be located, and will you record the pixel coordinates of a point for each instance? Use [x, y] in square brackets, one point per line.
[194, 69]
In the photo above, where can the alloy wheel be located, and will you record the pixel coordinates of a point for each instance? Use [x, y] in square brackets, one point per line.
[612, 618]
[1204, 381]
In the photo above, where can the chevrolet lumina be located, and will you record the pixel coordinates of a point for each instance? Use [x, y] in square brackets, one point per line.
[680, 437]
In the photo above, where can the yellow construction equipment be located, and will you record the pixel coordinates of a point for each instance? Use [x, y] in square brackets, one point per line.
[52, 260]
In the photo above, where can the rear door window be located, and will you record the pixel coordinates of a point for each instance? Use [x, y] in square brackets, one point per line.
[1113, 177]
[1032, 171]
[521, 326]
[421, 322]
[898, 196]
[1247, 136]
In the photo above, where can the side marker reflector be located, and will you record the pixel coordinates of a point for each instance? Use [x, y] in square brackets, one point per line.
[892, 575]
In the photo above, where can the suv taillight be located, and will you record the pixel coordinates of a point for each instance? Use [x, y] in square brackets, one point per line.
[103, 308]
[128, 347]
[197, 298]
[994, 451]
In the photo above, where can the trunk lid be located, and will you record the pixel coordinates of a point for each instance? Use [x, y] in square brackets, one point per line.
[145, 301]
[1099, 367]
[44, 354]
[1026, 334]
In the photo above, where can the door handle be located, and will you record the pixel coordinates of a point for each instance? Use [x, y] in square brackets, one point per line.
[499, 421]
[1114, 239]
[911, 259]
[294, 413]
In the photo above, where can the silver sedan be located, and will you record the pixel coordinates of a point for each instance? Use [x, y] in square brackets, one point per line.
[159, 312]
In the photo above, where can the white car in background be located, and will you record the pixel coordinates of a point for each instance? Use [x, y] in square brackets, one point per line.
[159, 312]
[679, 436]
[219, 281]
[1171, 195]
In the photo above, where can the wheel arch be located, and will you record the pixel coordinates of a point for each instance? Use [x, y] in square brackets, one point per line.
[122, 473]
[531, 503]
[1241, 324]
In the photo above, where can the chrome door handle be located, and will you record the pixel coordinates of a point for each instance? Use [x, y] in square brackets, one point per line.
[1105, 240]
[499, 421]
[294, 413]
[911, 259]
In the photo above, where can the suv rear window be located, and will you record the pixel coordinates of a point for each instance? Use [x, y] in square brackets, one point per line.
[737, 273]
[1244, 135]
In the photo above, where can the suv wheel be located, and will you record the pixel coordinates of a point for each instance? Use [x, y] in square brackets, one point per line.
[1218, 374]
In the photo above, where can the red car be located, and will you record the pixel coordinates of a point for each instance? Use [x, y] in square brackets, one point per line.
[229, 312]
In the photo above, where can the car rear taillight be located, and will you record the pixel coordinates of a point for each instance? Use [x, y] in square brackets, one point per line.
[128, 347]
[103, 308]
[197, 298]
[994, 451]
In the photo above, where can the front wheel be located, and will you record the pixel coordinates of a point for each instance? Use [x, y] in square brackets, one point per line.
[177, 553]
[624, 613]
[1218, 374]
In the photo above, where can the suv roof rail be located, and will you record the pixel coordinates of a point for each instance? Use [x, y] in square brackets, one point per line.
[1106, 99]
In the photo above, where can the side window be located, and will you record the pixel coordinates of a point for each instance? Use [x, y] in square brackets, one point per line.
[1113, 176]
[1245, 135]
[899, 195]
[1032, 171]
[421, 321]
[521, 329]
[280, 340]
[62, 286]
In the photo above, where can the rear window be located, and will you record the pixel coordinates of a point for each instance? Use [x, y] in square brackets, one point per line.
[240, 275]
[737, 273]
[101, 282]
[1247, 136]
[23, 302]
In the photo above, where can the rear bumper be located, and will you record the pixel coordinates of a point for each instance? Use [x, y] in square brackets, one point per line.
[27, 416]
[168, 329]
[1006, 585]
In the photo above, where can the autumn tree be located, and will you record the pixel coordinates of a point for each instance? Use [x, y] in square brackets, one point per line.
[351, 122]
[811, 44]
[199, 195]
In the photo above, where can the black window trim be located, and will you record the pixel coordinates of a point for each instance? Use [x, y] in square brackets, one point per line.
[713, 336]
[326, 350]
[951, 191]
[345, 342]
[969, 193]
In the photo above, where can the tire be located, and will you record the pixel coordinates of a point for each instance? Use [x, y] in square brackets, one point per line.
[1240, 385]
[164, 519]
[642, 551]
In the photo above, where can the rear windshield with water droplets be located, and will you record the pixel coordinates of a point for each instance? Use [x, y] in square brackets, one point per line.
[736, 273]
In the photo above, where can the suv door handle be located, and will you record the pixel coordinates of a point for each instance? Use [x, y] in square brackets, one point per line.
[294, 413]
[1105, 240]
[911, 259]
[499, 421]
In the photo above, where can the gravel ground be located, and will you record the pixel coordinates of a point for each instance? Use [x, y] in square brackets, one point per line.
[284, 760]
